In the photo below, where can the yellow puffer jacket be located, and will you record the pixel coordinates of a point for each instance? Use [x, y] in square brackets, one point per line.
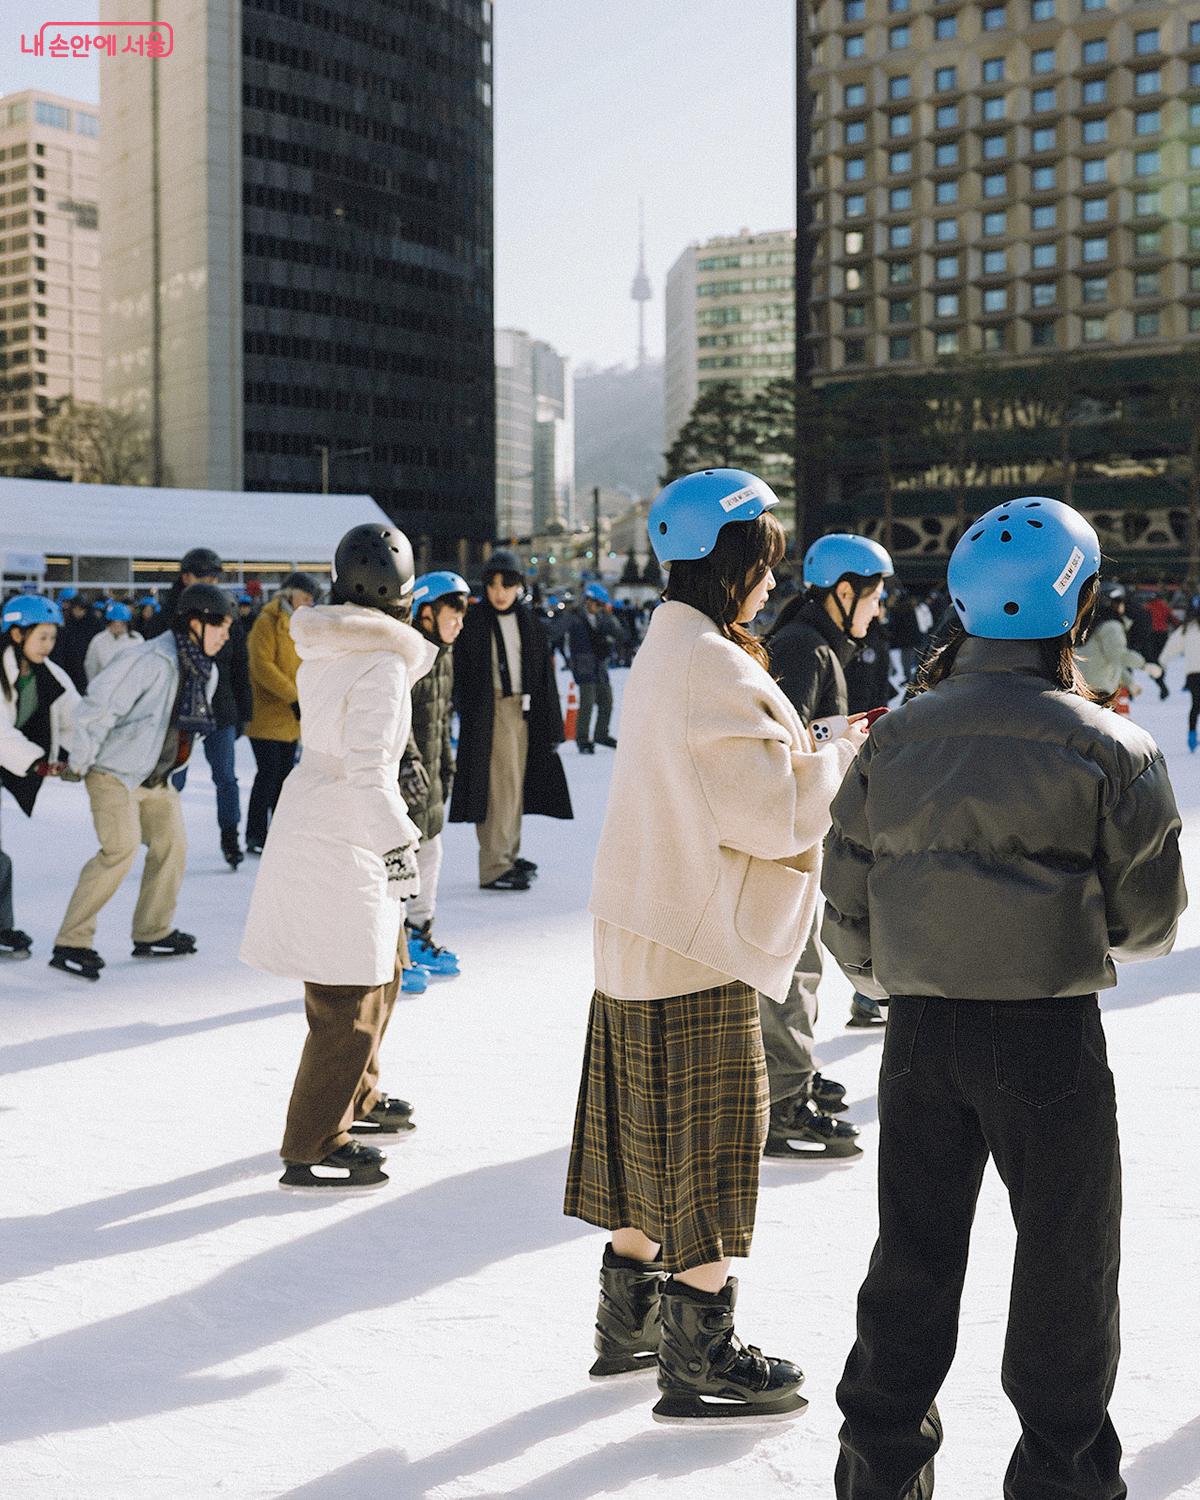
[273, 667]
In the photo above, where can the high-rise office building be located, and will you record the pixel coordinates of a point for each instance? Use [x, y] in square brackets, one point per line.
[298, 253]
[730, 310]
[514, 433]
[1008, 178]
[49, 267]
[554, 439]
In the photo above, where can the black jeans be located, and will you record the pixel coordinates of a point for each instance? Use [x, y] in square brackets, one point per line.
[274, 759]
[1029, 1084]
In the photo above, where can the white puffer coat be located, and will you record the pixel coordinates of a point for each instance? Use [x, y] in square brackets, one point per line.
[322, 909]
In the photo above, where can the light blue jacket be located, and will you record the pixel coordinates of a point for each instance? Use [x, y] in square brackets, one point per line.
[122, 722]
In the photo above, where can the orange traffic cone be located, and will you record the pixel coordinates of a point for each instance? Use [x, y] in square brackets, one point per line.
[572, 712]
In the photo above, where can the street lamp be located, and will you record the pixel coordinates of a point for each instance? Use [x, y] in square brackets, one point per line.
[327, 454]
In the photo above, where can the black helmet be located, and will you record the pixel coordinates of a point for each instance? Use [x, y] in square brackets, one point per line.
[203, 599]
[201, 562]
[505, 562]
[305, 581]
[374, 565]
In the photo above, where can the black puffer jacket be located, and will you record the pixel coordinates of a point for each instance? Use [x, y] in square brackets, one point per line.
[1001, 839]
[809, 655]
[431, 708]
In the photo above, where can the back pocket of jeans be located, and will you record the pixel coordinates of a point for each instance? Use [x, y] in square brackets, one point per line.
[904, 1019]
[1038, 1051]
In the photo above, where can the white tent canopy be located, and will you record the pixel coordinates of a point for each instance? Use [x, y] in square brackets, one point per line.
[51, 519]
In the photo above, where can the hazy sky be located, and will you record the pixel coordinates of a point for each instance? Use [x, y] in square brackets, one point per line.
[687, 103]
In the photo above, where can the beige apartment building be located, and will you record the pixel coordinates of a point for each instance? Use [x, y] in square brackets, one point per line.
[49, 266]
[1005, 177]
[730, 308]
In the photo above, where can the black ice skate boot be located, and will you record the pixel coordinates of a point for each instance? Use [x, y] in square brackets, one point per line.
[352, 1166]
[800, 1132]
[526, 867]
[85, 963]
[706, 1373]
[14, 943]
[389, 1117]
[828, 1096]
[174, 944]
[231, 848]
[627, 1315]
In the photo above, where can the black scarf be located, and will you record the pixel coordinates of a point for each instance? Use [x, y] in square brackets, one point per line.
[502, 663]
[195, 712]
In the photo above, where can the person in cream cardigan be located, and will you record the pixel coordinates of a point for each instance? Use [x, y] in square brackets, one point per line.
[705, 886]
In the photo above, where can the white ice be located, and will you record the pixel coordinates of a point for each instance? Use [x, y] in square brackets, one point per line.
[174, 1326]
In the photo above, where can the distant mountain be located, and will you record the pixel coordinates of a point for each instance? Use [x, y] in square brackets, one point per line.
[619, 428]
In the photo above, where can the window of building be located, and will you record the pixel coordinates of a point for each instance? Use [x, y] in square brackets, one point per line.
[899, 125]
[1194, 33]
[1044, 216]
[1043, 257]
[1147, 284]
[995, 17]
[899, 236]
[1147, 122]
[854, 242]
[945, 117]
[995, 184]
[854, 315]
[1194, 116]
[1148, 82]
[1043, 100]
[853, 279]
[1095, 288]
[1147, 163]
[1194, 75]
[945, 305]
[1041, 60]
[855, 132]
[1194, 158]
[1194, 319]
[995, 222]
[945, 267]
[854, 45]
[853, 10]
[1043, 179]
[1194, 236]
[855, 205]
[1095, 51]
[993, 70]
[946, 342]
[994, 108]
[946, 192]
[1041, 335]
[1095, 91]
[995, 299]
[900, 162]
[993, 338]
[995, 147]
[1095, 248]
[86, 124]
[854, 95]
[1146, 42]
[1194, 198]
[900, 310]
[1095, 210]
[895, 6]
[1041, 10]
[1088, 5]
[46, 113]
[1148, 203]
[1095, 330]
[900, 200]
[945, 154]
[854, 351]
[900, 86]
[900, 346]
[899, 37]
[1145, 325]
[995, 262]
[1044, 293]
[1044, 138]
[1095, 169]
[899, 273]
[945, 79]
[1147, 242]
[855, 168]
[944, 28]
[1094, 132]
[945, 231]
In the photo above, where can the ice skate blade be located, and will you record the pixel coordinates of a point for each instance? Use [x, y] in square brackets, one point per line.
[694, 1411]
[621, 1369]
[182, 953]
[16, 955]
[328, 1185]
[839, 1156]
[393, 1133]
[64, 968]
[867, 1023]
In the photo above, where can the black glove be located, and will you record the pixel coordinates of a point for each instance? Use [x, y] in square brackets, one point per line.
[296, 710]
[414, 781]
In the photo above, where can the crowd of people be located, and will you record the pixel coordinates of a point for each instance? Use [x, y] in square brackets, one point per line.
[983, 853]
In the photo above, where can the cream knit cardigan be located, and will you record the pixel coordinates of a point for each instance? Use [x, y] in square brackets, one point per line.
[719, 802]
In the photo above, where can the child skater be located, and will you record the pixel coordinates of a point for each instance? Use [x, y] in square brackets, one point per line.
[704, 890]
[37, 704]
[341, 856]
[1000, 841]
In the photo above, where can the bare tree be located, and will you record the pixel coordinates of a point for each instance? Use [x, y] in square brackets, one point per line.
[101, 445]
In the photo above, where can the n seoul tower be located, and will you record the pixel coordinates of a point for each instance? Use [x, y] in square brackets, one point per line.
[640, 291]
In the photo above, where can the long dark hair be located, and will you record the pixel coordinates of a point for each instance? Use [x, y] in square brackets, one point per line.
[719, 584]
[7, 640]
[1058, 656]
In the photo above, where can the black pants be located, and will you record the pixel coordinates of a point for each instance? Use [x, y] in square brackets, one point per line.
[274, 760]
[1192, 683]
[1029, 1084]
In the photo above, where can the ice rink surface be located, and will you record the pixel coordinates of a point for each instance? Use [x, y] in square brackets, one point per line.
[175, 1326]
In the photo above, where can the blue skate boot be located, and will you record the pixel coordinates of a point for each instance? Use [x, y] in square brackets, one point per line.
[415, 981]
[440, 962]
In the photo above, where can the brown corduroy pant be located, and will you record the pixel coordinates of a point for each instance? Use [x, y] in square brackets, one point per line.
[500, 832]
[338, 1078]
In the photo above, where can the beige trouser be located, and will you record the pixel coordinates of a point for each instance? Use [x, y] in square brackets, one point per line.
[500, 832]
[123, 819]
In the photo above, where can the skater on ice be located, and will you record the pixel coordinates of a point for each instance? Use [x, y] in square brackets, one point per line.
[118, 634]
[1000, 841]
[704, 892]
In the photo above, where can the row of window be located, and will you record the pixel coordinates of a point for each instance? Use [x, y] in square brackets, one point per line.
[1043, 295]
[1041, 59]
[995, 263]
[1094, 247]
[1043, 99]
[995, 338]
[995, 17]
[1147, 162]
[740, 288]
[745, 259]
[1042, 216]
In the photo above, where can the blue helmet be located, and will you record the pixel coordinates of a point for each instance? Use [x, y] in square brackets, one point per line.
[115, 610]
[65, 595]
[688, 514]
[245, 598]
[1017, 574]
[431, 587]
[28, 610]
[830, 558]
[598, 592]
[146, 599]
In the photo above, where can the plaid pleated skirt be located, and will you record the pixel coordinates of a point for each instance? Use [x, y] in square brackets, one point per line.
[671, 1121]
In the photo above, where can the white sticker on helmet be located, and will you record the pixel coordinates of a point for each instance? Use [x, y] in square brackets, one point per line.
[739, 497]
[1064, 580]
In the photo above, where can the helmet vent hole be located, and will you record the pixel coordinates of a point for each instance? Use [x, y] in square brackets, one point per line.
[959, 605]
[1033, 505]
[662, 528]
[1037, 525]
[1006, 536]
[1012, 608]
[977, 535]
[381, 591]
